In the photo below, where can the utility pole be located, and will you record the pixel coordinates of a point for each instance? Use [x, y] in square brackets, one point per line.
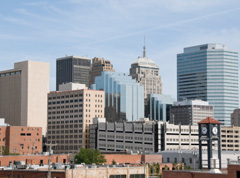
[50, 145]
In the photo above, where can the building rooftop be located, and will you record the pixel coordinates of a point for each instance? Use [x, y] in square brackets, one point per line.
[209, 120]
[145, 62]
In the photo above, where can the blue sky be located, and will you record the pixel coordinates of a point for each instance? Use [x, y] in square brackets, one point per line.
[114, 29]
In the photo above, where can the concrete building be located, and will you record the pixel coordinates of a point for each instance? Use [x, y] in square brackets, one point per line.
[177, 137]
[69, 115]
[135, 136]
[158, 107]
[72, 69]
[210, 72]
[23, 94]
[99, 65]
[146, 72]
[230, 138]
[124, 97]
[20, 140]
[190, 112]
[235, 118]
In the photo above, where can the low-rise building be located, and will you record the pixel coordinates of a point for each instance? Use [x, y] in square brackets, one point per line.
[139, 135]
[177, 137]
[20, 140]
[34, 159]
[233, 171]
[91, 171]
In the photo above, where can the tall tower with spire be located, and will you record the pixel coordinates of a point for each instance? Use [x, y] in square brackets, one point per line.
[146, 72]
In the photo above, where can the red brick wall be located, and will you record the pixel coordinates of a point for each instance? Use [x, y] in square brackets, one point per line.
[31, 174]
[33, 159]
[134, 159]
[152, 158]
[24, 144]
[118, 158]
[175, 174]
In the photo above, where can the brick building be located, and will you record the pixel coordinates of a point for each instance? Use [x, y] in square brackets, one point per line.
[233, 171]
[82, 172]
[70, 112]
[21, 140]
[34, 159]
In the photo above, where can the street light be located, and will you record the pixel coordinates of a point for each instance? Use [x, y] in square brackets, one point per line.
[194, 158]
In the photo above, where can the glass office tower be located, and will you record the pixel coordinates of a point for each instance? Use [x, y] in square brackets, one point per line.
[124, 97]
[209, 72]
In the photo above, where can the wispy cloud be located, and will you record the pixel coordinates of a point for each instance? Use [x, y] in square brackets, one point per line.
[35, 15]
[158, 27]
[40, 3]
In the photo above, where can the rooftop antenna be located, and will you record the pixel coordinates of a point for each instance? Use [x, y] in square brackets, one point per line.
[144, 48]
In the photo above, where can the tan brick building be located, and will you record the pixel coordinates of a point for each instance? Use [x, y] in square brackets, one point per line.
[82, 172]
[21, 140]
[69, 115]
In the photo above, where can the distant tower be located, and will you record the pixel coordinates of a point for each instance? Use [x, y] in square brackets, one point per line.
[146, 72]
[209, 131]
[99, 65]
[72, 69]
[210, 72]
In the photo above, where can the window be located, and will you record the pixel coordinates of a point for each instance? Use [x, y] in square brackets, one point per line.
[118, 176]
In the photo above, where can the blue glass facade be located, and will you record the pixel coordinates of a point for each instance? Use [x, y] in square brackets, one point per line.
[160, 107]
[124, 97]
[209, 72]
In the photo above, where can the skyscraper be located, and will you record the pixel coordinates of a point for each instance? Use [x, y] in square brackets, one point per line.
[99, 65]
[146, 72]
[124, 97]
[209, 72]
[72, 69]
[23, 94]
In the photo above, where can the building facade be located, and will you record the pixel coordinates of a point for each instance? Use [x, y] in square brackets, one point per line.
[190, 112]
[124, 97]
[158, 107]
[177, 137]
[146, 72]
[72, 69]
[23, 94]
[99, 65]
[209, 72]
[235, 118]
[114, 137]
[230, 138]
[20, 140]
[69, 115]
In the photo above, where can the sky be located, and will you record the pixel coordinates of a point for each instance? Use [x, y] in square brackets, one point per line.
[114, 30]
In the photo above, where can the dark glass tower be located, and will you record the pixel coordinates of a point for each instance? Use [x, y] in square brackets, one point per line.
[72, 69]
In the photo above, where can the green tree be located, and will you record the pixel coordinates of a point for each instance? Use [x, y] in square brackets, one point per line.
[5, 151]
[165, 168]
[113, 162]
[89, 156]
[157, 168]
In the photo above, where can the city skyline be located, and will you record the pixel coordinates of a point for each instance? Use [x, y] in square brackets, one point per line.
[114, 30]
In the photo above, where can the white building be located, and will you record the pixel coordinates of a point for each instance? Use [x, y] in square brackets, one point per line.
[190, 112]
